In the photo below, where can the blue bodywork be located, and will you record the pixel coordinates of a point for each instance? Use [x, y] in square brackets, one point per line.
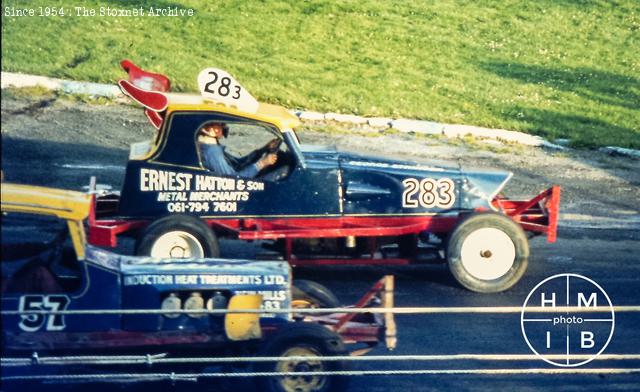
[315, 182]
[114, 282]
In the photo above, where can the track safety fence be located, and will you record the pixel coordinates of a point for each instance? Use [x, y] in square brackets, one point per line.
[164, 359]
[394, 310]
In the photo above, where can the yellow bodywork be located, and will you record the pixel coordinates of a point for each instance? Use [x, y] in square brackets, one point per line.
[243, 326]
[273, 114]
[68, 205]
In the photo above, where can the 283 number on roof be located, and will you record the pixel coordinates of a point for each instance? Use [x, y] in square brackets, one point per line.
[219, 86]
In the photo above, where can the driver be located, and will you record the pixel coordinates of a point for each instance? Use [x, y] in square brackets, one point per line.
[215, 158]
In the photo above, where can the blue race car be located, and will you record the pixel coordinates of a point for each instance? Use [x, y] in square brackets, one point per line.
[61, 302]
[318, 205]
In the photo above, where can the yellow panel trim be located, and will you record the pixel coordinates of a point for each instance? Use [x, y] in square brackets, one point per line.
[78, 237]
[71, 206]
[273, 114]
[61, 203]
[243, 326]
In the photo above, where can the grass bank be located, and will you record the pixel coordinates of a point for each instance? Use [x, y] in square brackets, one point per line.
[555, 68]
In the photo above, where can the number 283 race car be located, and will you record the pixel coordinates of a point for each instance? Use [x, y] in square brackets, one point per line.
[223, 164]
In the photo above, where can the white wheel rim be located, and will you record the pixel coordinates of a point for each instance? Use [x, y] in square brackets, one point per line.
[488, 253]
[177, 245]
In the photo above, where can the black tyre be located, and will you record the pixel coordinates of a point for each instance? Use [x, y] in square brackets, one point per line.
[178, 236]
[488, 252]
[303, 339]
[309, 294]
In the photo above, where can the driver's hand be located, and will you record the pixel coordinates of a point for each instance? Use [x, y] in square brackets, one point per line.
[273, 145]
[268, 160]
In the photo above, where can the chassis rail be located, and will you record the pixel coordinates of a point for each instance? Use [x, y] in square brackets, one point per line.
[538, 215]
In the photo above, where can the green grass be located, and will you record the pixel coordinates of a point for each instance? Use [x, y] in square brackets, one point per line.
[555, 68]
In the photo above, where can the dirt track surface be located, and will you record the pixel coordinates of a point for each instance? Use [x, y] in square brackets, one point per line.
[61, 143]
[69, 141]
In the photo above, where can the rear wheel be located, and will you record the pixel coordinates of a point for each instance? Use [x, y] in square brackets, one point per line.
[303, 340]
[177, 237]
[310, 294]
[488, 252]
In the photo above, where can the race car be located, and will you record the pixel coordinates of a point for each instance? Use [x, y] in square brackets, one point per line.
[62, 305]
[317, 205]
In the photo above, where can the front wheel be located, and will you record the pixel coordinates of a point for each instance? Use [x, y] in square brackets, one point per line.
[488, 252]
[303, 340]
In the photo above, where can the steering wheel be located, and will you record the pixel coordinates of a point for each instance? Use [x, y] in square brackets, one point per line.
[276, 147]
[279, 170]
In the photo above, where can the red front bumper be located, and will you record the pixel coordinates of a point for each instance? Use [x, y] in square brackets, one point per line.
[540, 214]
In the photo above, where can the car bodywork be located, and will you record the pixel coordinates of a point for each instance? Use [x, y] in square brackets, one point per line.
[138, 305]
[358, 201]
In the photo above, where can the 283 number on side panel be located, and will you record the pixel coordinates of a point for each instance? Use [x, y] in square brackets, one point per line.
[428, 193]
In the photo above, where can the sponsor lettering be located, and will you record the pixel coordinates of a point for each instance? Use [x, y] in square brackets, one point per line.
[162, 180]
[195, 193]
[203, 279]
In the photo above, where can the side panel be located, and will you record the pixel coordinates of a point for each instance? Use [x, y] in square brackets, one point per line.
[376, 188]
[100, 290]
[172, 180]
[147, 286]
[152, 190]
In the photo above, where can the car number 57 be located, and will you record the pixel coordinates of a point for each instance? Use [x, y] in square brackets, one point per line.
[33, 322]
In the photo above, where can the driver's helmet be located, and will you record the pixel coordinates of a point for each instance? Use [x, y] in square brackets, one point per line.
[225, 127]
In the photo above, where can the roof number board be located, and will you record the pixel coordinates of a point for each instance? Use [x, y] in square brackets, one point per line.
[219, 86]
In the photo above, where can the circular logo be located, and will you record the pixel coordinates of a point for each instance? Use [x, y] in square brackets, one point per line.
[567, 320]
